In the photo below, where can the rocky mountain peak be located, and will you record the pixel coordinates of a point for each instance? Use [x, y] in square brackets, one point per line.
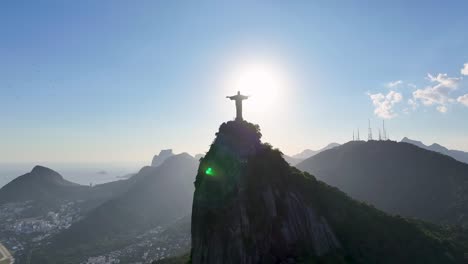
[163, 155]
[244, 210]
[41, 170]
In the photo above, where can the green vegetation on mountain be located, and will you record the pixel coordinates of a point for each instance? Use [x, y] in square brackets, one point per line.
[398, 178]
[254, 208]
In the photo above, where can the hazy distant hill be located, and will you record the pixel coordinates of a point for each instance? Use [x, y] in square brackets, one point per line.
[295, 159]
[292, 161]
[456, 154]
[40, 184]
[305, 154]
[46, 188]
[159, 195]
[398, 178]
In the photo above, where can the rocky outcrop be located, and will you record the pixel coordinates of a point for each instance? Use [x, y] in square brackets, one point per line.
[245, 210]
[163, 155]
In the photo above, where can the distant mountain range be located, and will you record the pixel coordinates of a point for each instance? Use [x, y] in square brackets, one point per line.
[398, 178]
[307, 153]
[47, 189]
[456, 154]
[111, 215]
[157, 196]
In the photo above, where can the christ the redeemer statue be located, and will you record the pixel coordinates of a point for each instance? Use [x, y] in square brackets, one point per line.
[238, 98]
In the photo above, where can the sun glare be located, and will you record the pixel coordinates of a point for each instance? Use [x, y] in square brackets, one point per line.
[263, 82]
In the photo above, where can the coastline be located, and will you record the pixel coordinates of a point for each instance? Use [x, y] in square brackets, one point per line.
[6, 257]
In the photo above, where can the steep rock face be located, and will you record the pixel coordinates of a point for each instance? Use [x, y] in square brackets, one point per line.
[246, 211]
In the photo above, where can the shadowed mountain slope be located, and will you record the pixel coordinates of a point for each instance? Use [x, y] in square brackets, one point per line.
[250, 206]
[41, 184]
[398, 178]
[159, 196]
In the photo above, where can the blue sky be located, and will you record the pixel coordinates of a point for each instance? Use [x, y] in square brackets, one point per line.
[94, 81]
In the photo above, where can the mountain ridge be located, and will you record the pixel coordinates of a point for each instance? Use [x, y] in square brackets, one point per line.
[399, 178]
[307, 153]
[158, 196]
[456, 154]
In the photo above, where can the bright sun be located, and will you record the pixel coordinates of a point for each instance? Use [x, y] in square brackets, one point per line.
[263, 82]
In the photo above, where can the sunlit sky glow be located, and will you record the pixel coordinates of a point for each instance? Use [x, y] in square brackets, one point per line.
[116, 81]
[264, 82]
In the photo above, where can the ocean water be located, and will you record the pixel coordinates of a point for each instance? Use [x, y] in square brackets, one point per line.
[79, 173]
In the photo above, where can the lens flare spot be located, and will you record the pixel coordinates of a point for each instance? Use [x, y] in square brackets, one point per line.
[209, 171]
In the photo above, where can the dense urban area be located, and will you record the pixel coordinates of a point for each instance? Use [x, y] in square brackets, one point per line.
[21, 233]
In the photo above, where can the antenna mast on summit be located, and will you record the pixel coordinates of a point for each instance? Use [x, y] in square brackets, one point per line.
[369, 135]
[380, 135]
[384, 132]
[358, 139]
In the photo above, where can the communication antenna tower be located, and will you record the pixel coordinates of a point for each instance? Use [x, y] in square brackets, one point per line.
[369, 135]
[384, 131]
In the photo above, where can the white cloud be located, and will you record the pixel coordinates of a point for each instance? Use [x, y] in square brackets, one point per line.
[437, 94]
[442, 108]
[463, 99]
[384, 103]
[413, 104]
[394, 84]
[464, 70]
[443, 81]
[430, 96]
